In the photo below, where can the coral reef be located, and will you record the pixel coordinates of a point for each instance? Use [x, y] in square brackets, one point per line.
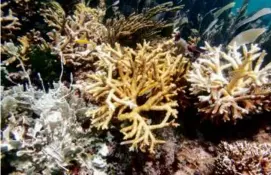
[128, 73]
[81, 32]
[136, 83]
[75, 37]
[42, 133]
[243, 157]
[231, 84]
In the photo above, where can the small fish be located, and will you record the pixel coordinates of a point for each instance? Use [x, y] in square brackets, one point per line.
[89, 43]
[116, 3]
[83, 41]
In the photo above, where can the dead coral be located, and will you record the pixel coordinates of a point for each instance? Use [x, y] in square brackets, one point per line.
[9, 23]
[244, 157]
[136, 83]
[41, 133]
[138, 26]
[231, 84]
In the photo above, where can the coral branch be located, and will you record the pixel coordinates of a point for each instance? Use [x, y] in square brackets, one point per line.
[137, 27]
[9, 23]
[133, 84]
[231, 84]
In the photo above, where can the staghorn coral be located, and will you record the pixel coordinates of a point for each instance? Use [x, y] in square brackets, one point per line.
[243, 157]
[137, 83]
[42, 133]
[137, 27]
[75, 37]
[9, 23]
[231, 84]
[54, 15]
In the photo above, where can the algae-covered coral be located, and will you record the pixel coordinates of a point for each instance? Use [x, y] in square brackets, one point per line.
[133, 87]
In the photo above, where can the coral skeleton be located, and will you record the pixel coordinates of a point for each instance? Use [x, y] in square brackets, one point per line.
[231, 84]
[137, 82]
[243, 157]
[42, 133]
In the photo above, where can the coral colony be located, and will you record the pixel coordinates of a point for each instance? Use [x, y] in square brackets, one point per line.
[231, 84]
[121, 82]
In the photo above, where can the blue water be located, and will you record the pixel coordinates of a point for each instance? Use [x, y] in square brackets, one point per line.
[254, 5]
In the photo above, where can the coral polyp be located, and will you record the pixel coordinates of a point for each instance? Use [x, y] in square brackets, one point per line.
[231, 84]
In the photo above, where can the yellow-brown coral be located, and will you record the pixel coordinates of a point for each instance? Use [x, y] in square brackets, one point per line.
[137, 27]
[136, 83]
[231, 84]
[75, 37]
[9, 23]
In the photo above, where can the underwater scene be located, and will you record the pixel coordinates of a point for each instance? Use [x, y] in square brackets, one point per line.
[135, 87]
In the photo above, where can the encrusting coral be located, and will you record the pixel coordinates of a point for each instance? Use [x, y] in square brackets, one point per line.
[137, 27]
[231, 84]
[243, 157]
[137, 84]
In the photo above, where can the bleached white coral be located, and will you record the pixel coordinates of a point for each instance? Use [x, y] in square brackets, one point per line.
[42, 131]
[231, 84]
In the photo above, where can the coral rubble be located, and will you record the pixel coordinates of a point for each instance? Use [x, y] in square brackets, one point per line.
[231, 84]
